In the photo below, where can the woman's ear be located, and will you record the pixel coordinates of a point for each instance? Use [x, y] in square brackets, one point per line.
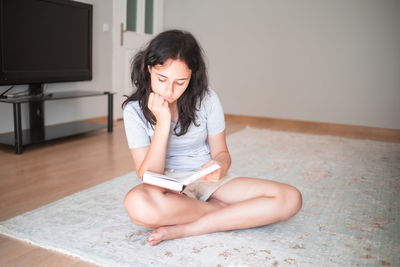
[149, 68]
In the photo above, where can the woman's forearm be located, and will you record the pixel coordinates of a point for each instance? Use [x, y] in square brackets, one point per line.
[224, 160]
[155, 157]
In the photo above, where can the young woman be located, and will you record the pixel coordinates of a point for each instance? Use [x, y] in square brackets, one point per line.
[175, 123]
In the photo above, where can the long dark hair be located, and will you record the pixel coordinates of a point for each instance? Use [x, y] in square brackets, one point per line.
[176, 45]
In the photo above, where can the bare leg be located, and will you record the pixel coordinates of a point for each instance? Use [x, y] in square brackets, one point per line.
[153, 206]
[250, 203]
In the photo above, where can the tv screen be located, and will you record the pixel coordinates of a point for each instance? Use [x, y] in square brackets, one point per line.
[45, 41]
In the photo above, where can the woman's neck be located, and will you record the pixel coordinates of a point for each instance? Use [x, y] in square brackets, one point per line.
[173, 107]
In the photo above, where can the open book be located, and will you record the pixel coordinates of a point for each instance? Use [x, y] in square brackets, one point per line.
[176, 183]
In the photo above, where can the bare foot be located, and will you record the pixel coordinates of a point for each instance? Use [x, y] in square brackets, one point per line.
[165, 233]
[178, 231]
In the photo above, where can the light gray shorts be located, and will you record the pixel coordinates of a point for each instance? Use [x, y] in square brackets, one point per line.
[201, 189]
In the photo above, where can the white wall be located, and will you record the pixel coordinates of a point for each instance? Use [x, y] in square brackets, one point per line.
[335, 61]
[75, 109]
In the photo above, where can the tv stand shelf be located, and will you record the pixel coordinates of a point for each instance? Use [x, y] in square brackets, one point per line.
[38, 132]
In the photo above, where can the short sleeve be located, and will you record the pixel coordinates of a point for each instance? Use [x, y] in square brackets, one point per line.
[215, 113]
[135, 127]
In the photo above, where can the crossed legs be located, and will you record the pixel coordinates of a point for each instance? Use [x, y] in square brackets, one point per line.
[240, 203]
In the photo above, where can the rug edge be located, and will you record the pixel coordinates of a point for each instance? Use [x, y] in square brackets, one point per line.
[88, 258]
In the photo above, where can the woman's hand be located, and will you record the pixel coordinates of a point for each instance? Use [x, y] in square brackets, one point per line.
[216, 175]
[159, 107]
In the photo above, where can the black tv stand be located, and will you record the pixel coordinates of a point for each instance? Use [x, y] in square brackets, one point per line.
[36, 113]
[38, 132]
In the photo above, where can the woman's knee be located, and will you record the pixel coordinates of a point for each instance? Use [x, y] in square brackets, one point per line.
[293, 201]
[142, 205]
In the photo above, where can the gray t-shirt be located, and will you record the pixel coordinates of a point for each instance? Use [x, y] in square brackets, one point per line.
[187, 152]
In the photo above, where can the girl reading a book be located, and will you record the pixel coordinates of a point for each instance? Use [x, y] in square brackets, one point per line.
[174, 124]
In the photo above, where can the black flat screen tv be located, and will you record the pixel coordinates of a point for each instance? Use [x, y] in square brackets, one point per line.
[45, 41]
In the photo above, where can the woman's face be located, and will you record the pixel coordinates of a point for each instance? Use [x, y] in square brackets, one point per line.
[170, 80]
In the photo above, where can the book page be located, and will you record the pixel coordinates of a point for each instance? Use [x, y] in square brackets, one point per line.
[165, 177]
[175, 180]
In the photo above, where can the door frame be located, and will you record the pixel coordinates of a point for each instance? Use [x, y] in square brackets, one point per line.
[126, 43]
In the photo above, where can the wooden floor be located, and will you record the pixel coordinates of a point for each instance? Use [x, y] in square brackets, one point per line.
[50, 171]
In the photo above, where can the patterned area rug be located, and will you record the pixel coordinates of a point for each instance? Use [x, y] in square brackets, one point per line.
[350, 216]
